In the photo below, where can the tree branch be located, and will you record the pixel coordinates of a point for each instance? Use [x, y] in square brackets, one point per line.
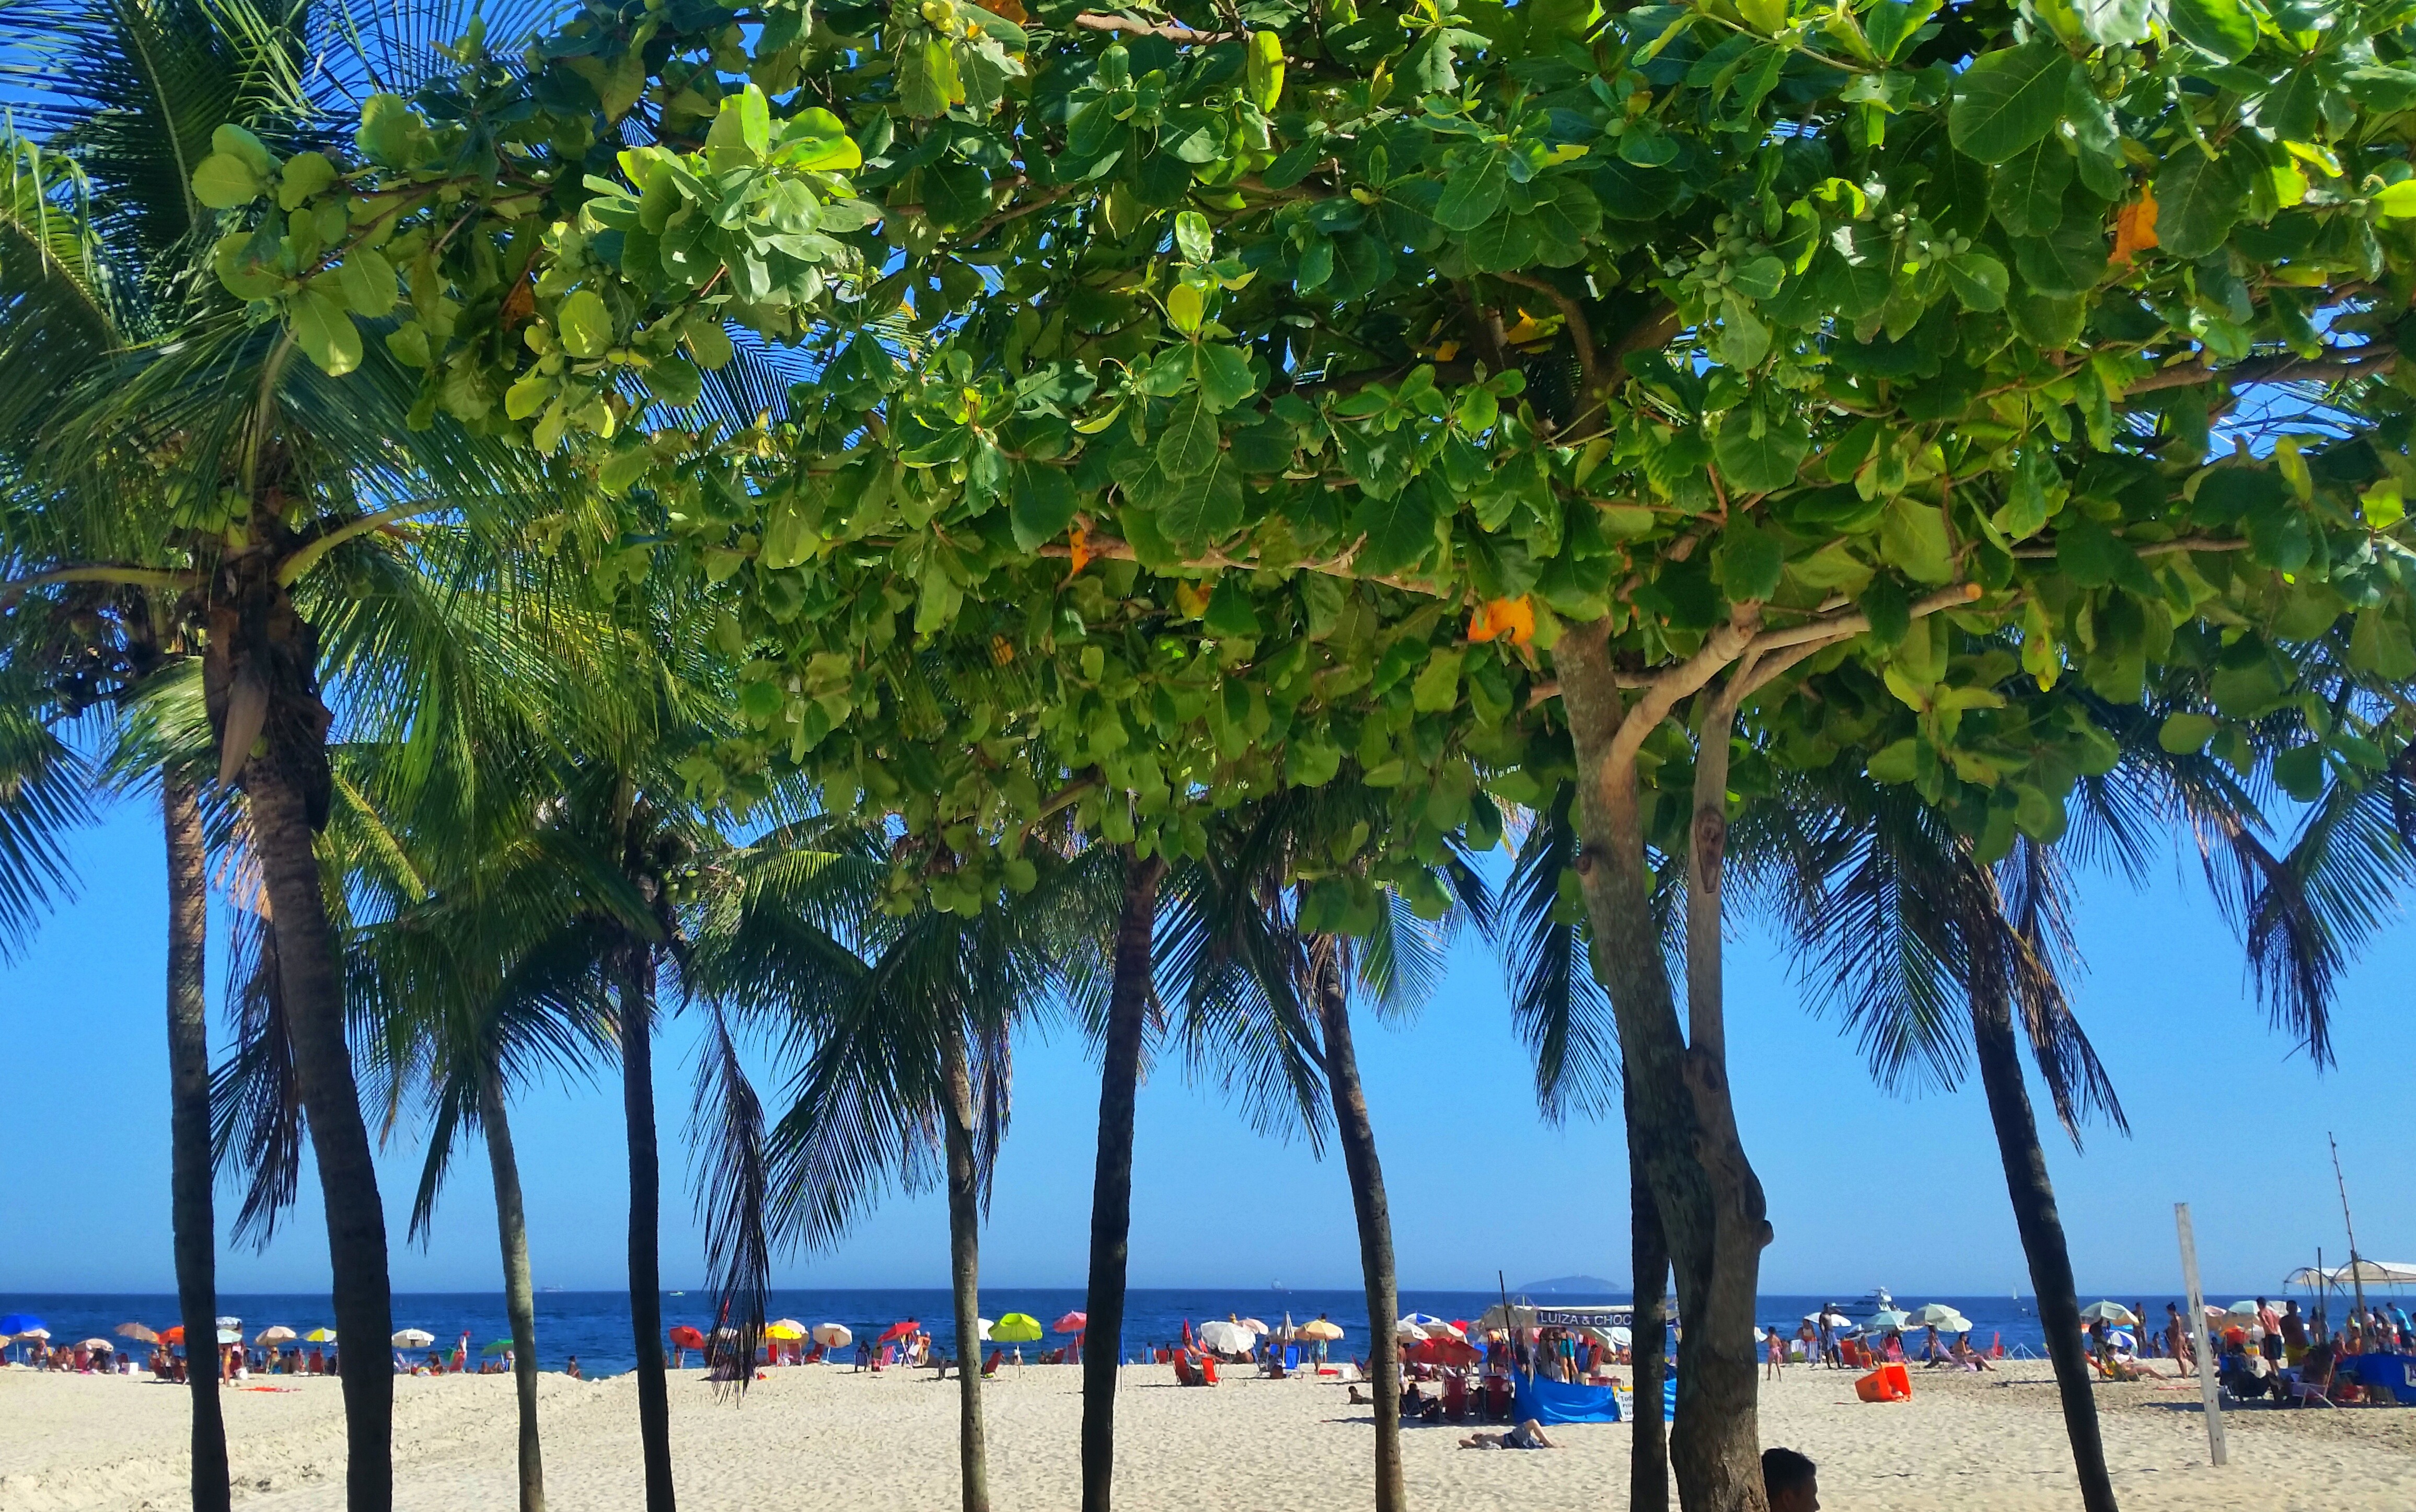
[290, 572]
[1666, 687]
[1109, 548]
[1838, 627]
[1580, 332]
[2184, 543]
[1173, 32]
[2268, 370]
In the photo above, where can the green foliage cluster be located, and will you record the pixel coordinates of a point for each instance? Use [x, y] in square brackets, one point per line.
[1285, 382]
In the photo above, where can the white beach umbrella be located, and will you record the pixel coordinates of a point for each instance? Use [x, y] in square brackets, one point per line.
[1933, 1314]
[277, 1335]
[1833, 1319]
[983, 1331]
[1620, 1336]
[1887, 1318]
[1253, 1325]
[1227, 1337]
[414, 1338]
[228, 1335]
[2112, 1312]
[837, 1336]
[230, 1322]
[1407, 1332]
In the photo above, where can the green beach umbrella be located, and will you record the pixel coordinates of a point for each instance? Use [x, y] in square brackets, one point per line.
[1016, 1328]
[497, 1347]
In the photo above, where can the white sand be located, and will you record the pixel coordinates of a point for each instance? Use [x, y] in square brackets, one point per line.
[818, 1436]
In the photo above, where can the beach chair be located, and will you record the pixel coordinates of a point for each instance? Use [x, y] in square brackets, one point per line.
[989, 1366]
[1497, 1399]
[1208, 1369]
[1186, 1373]
[1454, 1396]
[1291, 1358]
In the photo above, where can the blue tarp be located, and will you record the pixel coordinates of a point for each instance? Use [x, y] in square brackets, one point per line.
[2394, 1372]
[1556, 1401]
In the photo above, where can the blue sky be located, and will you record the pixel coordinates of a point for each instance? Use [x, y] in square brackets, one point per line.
[1865, 1188]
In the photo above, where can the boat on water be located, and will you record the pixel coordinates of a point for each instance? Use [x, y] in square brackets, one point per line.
[1876, 1300]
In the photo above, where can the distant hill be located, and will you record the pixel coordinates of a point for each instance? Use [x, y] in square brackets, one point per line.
[1574, 1285]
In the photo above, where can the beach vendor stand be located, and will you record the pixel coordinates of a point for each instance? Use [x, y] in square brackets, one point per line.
[1539, 1397]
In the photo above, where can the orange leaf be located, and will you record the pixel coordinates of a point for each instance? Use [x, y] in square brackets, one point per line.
[1081, 550]
[1480, 624]
[2135, 227]
[1497, 617]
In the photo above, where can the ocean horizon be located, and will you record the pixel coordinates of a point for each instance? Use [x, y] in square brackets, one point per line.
[595, 1325]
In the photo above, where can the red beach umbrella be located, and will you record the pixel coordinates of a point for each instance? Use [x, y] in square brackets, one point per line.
[896, 1330]
[686, 1338]
[173, 1336]
[1073, 1323]
[1186, 1332]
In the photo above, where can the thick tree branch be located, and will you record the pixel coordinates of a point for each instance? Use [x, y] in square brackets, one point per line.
[1664, 690]
[2268, 370]
[1173, 32]
[1838, 627]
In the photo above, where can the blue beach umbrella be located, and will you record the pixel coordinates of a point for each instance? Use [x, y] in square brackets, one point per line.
[19, 1322]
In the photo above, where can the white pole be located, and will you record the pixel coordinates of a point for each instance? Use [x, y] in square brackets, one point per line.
[2209, 1391]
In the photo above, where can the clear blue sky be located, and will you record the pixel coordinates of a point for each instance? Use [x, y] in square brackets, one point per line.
[1865, 1189]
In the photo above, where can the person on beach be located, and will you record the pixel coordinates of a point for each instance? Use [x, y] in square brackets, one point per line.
[1778, 1352]
[2177, 1338]
[1803, 1336]
[572, 1369]
[2294, 1334]
[1527, 1435]
[1789, 1481]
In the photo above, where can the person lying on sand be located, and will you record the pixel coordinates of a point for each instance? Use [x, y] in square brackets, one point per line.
[1527, 1435]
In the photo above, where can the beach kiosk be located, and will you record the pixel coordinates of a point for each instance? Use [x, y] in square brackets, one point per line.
[1539, 1396]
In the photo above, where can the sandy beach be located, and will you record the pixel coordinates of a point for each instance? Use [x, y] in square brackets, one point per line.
[889, 1442]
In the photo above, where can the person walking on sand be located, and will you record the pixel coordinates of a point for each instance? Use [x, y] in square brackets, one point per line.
[1777, 1353]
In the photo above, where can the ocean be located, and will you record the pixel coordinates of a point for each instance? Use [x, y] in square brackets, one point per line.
[595, 1325]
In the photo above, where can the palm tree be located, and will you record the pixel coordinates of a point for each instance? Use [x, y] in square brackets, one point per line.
[1275, 939]
[903, 1017]
[184, 451]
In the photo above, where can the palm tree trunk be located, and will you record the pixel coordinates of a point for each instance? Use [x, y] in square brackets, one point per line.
[1648, 1464]
[2042, 1231]
[1135, 969]
[188, 1079]
[964, 1268]
[520, 1293]
[307, 969]
[1358, 1140]
[645, 1229]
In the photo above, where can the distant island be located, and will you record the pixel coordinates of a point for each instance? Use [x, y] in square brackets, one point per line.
[1584, 1285]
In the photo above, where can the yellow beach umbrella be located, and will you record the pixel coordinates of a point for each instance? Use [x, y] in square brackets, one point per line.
[320, 1335]
[783, 1331]
[1320, 1328]
[1016, 1328]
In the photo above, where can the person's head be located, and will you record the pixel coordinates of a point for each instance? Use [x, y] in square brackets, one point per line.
[2291, 1306]
[1790, 1481]
[2262, 1304]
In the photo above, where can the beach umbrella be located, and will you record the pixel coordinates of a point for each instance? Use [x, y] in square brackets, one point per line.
[2243, 1311]
[414, 1338]
[837, 1336]
[277, 1335]
[21, 1323]
[136, 1332]
[1932, 1314]
[173, 1336]
[1407, 1332]
[686, 1338]
[230, 1322]
[496, 1347]
[896, 1331]
[1887, 1318]
[2111, 1312]
[1016, 1328]
[1073, 1323]
[783, 1331]
[1227, 1337]
[320, 1335]
[1830, 1320]
[1253, 1325]
[101, 1344]
[230, 1335]
[1320, 1328]
[35, 1333]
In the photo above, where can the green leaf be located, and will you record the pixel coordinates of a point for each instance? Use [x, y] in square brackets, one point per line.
[1759, 464]
[1889, 607]
[1751, 562]
[1230, 611]
[1890, 25]
[1192, 236]
[2199, 199]
[1978, 281]
[1205, 506]
[1896, 762]
[1225, 376]
[324, 328]
[1189, 441]
[1437, 687]
[241, 145]
[2185, 734]
[1472, 195]
[390, 133]
[708, 341]
[2396, 202]
[1398, 530]
[306, 174]
[585, 324]
[225, 182]
[528, 395]
[2009, 99]
[1913, 540]
[1041, 503]
[368, 281]
[2300, 772]
[2026, 192]
[2222, 27]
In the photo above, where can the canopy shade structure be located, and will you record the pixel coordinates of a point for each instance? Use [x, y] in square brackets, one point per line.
[1016, 1328]
[1520, 1315]
[2364, 1273]
[833, 1336]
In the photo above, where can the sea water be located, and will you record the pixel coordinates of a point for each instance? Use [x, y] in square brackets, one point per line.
[595, 1325]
